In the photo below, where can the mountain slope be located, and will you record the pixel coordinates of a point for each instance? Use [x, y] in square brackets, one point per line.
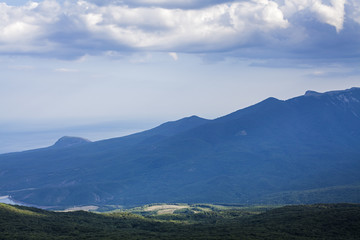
[251, 155]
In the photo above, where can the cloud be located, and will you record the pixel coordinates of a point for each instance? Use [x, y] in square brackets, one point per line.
[179, 4]
[21, 27]
[354, 6]
[86, 26]
[174, 55]
[66, 70]
[333, 15]
[248, 29]
[333, 73]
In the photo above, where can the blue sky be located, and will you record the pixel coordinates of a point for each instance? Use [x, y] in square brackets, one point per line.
[101, 69]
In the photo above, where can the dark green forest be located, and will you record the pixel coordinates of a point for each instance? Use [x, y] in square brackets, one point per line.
[320, 221]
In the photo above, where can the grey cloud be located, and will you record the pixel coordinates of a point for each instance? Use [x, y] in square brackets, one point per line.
[258, 29]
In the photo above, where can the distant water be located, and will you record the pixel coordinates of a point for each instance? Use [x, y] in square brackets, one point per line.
[14, 138]
[7, 200]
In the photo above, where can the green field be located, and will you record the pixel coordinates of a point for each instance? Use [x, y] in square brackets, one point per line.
[200, 221]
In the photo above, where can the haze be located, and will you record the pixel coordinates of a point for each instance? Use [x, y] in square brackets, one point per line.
[101, 69]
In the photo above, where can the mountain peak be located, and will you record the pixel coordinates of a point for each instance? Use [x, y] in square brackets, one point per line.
[344, 97]
[332, 93]
[68, 141]
[312, 93]
[173, 127]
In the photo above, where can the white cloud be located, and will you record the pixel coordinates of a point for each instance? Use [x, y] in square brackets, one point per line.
[354, 5]
[216, 27]
[330, 14]
[158, 2]
[66, 70]
[174, 55]
[319, 73]
[180, 4]
[21, 28]
[31, 26]
[73, 29]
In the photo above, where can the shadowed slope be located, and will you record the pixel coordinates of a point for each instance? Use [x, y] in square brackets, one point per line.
[257, 154]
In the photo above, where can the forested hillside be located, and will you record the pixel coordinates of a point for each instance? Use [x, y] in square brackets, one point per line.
[303, 222]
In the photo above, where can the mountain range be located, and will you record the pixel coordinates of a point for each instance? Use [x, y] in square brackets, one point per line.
[302, 150]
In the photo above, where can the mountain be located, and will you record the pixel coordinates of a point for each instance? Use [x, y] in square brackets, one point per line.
[305, 149]
[67, 141]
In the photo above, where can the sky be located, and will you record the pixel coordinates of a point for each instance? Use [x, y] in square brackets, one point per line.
[106, 68]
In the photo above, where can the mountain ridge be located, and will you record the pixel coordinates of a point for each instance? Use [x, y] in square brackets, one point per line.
[272, 147]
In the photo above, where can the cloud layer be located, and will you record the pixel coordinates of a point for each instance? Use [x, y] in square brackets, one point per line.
[249, 29]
